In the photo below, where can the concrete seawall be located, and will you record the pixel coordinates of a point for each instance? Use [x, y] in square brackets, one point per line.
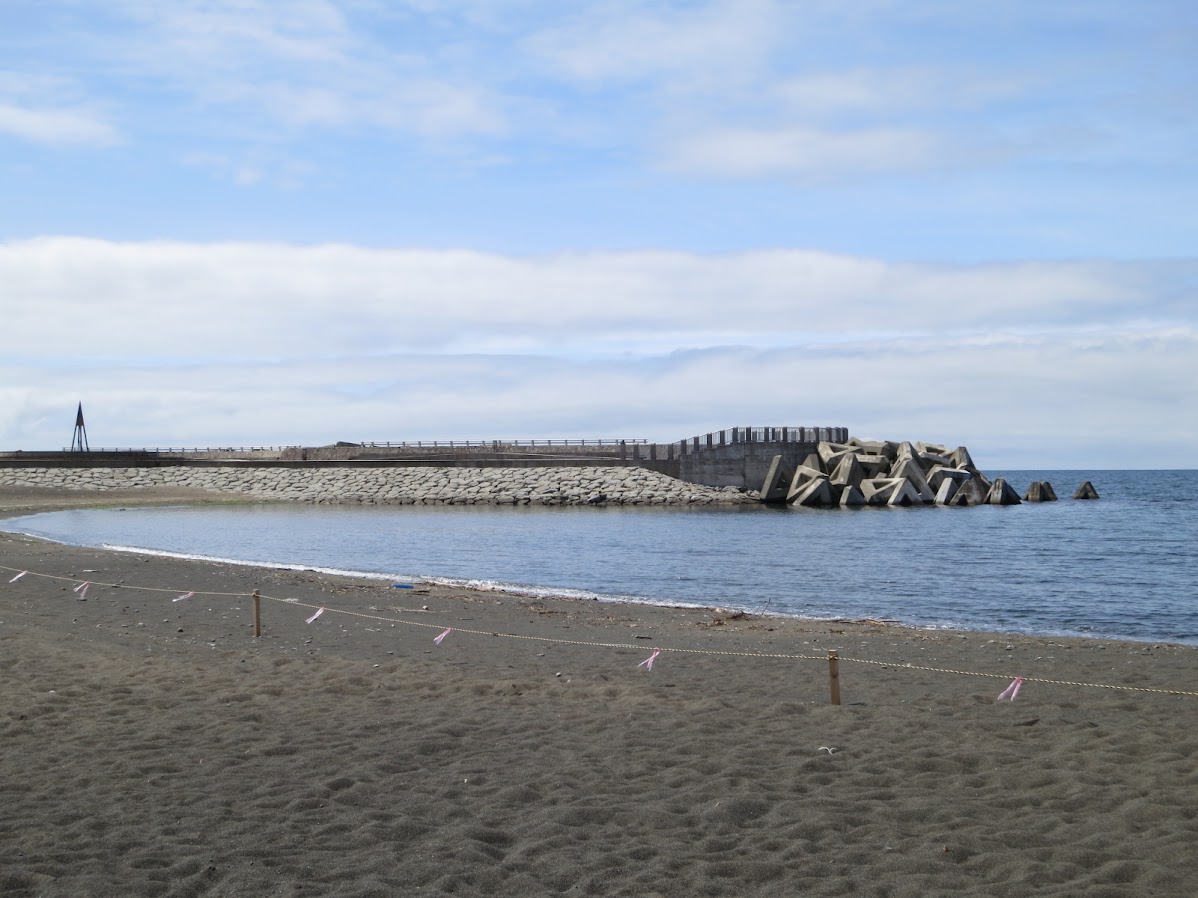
[394, 485]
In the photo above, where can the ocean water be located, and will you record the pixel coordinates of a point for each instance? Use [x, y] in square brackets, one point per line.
[1125, 566]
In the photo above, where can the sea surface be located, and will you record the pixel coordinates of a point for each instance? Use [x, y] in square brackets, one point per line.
[1125, 566]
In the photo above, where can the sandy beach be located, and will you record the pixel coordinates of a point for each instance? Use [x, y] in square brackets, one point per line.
[156, 747]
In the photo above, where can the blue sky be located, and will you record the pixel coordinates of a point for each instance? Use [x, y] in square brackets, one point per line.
[242, 222]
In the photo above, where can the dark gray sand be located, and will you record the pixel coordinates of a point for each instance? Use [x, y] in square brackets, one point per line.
[154, 747]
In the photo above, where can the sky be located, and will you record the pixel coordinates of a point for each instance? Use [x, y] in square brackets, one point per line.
[251, 223]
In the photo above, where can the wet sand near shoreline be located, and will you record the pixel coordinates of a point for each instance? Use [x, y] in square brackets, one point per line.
[156, 747]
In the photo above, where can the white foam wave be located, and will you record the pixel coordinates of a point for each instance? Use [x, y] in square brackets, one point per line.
[269, 565]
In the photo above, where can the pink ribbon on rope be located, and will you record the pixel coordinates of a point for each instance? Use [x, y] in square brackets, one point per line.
[82, 589]
[319, 612]
[18, 576]
[1011, 691]
[444, 633]
[186, 595]
[648, 662]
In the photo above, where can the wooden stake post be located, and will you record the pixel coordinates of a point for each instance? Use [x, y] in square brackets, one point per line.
[257, 614]
[834, 675]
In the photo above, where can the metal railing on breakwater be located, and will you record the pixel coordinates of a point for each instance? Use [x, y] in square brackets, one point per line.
[495, 444]
[736, 435]
[727, 437]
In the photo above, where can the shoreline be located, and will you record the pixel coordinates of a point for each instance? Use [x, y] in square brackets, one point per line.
[578, 595]
[20, 501]
[66, 564]
[156, 747]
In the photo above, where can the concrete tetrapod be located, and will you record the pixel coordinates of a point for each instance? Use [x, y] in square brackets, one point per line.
[831, 454]
[777, 479]
[908, 469]
[1086, 491]
[1040, 491]
[971, 492]
[878, 490]
[815, 494]
[1001, 493]
[873, 465]
[948, 489]
[938, 473]
[802, 476]
[905, 494]
[850, 497]
[848, 472]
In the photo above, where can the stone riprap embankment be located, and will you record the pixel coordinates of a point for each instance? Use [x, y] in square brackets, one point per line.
[393, 485]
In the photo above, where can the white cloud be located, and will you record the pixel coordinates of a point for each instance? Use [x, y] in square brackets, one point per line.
[695, 44]
[1051, 402]
[803, 152]
[253, 71]
[894, 91]
[57, 127]
[252, 169]
[237, 299]
[252, 343]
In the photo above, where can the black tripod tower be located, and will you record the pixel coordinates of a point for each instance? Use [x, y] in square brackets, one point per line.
[79, 441]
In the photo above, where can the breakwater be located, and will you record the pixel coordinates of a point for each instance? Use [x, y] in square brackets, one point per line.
[393, 484]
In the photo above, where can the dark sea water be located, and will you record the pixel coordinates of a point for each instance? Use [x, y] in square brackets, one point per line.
[1124, 566]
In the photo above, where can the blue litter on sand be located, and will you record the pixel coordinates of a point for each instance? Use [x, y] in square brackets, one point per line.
[401, 585]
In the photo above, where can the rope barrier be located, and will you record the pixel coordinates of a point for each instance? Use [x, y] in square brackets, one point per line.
[619, 645]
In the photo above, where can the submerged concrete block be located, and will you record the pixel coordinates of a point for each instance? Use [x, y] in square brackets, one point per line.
[777, 480]
[904, 495]
[801, 477]
[980, 479]
[1040, 491]
[850, 497]
[815, 494]
[970, 492]
[939, 473]
[878, 490]
[948, 489]
[1001, 493]
[908, 469]
[1086, 491]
